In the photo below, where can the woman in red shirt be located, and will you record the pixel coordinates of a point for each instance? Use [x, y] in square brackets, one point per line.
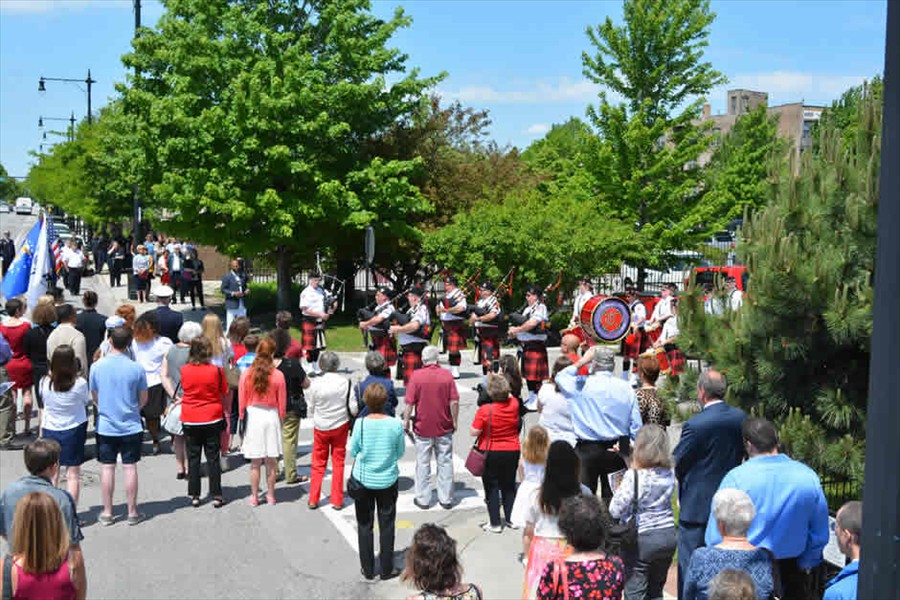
[496, 426]
[263, 403]
[204, 386]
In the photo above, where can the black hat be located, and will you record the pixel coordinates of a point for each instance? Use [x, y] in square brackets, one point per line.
[384, 290]
[487, 285]
[315, 275]
[534, 290]
[671, 286]
[451, 279]
[417, 290]
[586, 279]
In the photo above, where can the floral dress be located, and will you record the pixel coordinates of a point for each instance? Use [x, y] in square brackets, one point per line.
[597, 579]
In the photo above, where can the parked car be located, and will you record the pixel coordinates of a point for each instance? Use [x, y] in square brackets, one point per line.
[4, 207]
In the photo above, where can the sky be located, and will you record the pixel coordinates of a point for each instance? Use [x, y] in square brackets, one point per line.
[519, 59]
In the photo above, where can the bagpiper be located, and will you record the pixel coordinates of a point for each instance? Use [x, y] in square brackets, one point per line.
[451, 311]
[377, 326]
[532, 337]
[413, 335]
[314, 314]
[486, 319]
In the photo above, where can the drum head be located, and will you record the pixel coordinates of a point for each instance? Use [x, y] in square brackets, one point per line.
[611, 320]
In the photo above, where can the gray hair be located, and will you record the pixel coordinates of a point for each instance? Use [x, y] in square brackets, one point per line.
[713, 384]
[430, 355]
[329, 361]
[374, 362]
[188, 331]
[604, 358]
[497, 388]
[734, 510]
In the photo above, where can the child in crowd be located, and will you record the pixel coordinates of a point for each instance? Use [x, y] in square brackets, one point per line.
[531, 471]
[251, 341]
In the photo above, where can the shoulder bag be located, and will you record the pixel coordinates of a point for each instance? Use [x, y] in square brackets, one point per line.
[296, 399]
[354, 485]
[623, 537]
[232, 373]
[171, 420]
[477, 457]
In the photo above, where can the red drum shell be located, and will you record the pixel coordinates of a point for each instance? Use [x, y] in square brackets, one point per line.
[606, 319]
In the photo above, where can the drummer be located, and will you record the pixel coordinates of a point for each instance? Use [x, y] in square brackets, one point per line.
[584, 293]
[637, 341]
[666, 341]
[663, 309]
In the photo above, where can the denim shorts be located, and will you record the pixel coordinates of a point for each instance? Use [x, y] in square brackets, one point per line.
[71, 443]
[110, 446]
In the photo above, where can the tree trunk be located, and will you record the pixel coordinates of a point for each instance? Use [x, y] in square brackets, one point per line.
[283, 277]
[641, 278]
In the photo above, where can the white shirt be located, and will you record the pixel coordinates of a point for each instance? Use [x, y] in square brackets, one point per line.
[421, 315]
[312, 299]
[580, 299]
[150, 356]
[64, 410]
[384, 311]
[638, 313]
[556, 417]
[545, 526]
[662, 309]
[74, 259]
[460, 298]
[669, 329]
[539, 312]
[326, 400]
[491, 305]
[736, 299]
[176, 261]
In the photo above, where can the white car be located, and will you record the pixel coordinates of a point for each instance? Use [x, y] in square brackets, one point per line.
[24, 205]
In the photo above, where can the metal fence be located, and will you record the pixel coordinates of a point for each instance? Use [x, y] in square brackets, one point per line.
[840, 491]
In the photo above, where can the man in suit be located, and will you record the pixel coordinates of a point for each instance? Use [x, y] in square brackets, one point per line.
[91, 324]
[711, 445]
[176, 263]
[170, 321]
[234, 288]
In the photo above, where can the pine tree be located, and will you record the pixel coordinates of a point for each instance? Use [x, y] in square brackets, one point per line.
[798, 351]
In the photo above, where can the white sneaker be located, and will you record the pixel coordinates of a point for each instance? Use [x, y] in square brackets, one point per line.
[455, 371]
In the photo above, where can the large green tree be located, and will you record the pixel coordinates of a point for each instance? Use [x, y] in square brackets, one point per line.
[798, 351]
[259, 117]
[653, 80]
[10, 188]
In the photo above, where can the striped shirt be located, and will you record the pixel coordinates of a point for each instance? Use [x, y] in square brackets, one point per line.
[492, 306]
[377, 444]
[460, 300]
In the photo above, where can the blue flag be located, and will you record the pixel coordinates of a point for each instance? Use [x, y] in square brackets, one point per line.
[15, 282]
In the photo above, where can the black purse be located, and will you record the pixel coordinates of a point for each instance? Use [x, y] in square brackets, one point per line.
[354, 486]
[623, 537]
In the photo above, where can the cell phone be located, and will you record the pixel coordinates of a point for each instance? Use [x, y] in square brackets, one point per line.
[495, 366]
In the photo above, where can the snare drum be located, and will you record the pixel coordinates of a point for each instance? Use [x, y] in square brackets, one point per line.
[605, 318]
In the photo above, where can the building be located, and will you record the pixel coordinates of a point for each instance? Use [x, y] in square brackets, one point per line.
[795, 120]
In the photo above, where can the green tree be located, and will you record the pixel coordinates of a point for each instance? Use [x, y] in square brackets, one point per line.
[259, 117]
[10, 189]
[647, 168]
[798, 351]
[741, 169]
[563, 160]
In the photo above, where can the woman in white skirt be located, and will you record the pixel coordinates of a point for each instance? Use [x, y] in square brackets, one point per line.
[263, 402]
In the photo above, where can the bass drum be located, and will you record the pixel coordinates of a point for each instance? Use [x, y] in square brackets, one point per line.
[606, 319]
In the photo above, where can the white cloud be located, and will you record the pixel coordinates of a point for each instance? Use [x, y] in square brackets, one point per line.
[564, 90]
[42, 6]
[785, 87]
[538, 129]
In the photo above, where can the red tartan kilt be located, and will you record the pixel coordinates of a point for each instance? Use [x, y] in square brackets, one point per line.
[308, 339]
[412, 359]
[634, 344]
[455, 335]
[490, 346]
[384, 344]
[676, 358]
[534, 361]
[164, 280]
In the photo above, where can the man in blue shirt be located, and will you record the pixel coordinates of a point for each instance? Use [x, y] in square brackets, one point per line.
[847, 530]
[791, 511]
[604, 411]
[42, 462]
[119, 387]
[711, 444]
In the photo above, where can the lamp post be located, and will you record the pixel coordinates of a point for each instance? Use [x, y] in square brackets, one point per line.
[70, 135]
[89, 81]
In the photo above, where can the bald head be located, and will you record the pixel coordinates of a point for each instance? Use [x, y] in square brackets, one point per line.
[711, 386]
[569, 343]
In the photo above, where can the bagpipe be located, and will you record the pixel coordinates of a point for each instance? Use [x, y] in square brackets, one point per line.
[518, 319]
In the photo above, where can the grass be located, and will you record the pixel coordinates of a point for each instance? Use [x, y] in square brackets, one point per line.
[342, 338]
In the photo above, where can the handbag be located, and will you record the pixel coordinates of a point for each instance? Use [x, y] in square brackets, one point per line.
[354, 485]
[296, 403]
[232, 375]
[476, 460]
[623, 537]
[171, 420]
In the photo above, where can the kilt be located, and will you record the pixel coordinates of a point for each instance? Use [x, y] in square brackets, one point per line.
[455, 335]
[489, 345]
[411, 359]
[534, 361]
[634, 344]
[313, 337]
[676, 359]
[385, 345]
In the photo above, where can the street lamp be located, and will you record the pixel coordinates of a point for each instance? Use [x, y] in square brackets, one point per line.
[70, 134]
[88, 81]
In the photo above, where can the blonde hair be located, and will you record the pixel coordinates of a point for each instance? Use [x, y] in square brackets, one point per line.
[651, 448]
[212, 330]
[39, 534]
[536, 446]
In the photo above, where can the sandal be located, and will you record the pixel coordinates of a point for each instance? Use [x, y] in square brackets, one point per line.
[254, 501]
[218, 502]
[270, 499]
[195, 501]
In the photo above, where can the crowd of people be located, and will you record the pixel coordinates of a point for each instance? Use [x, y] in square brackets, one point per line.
[215, 390]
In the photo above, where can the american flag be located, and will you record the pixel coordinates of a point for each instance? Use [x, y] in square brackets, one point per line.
[55, 245]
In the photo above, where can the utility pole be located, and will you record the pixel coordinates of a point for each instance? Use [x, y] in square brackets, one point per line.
[136, 203]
